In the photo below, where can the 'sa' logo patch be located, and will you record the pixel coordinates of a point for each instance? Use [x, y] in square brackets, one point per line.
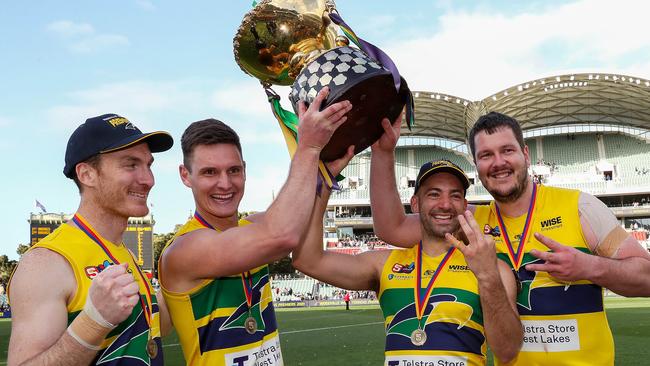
[487, 230]
[403, 268]
[92, 271]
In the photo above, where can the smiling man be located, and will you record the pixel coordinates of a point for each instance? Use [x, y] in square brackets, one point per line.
[78, 297]
[443, 301]
[214, 273]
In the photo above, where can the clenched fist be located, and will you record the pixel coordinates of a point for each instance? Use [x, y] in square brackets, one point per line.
[112, 295]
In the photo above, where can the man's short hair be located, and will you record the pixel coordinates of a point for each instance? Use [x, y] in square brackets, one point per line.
[491, 123]
[206, 132]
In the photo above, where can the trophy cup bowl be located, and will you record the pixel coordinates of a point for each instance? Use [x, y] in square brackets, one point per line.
[292, 42]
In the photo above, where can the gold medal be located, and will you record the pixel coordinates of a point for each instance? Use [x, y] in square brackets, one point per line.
[251, 325]
[418, 337]
[152, 348]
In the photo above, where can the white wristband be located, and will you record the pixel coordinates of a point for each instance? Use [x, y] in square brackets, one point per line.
[93, 313]
[81, 341]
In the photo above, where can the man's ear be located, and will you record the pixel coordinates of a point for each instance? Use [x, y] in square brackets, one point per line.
[87, 175]
[415, 205]
[185, 175]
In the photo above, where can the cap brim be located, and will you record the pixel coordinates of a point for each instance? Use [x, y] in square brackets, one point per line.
[158, 141]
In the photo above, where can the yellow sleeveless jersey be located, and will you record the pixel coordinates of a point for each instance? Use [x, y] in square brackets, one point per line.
[126, 344]
[564, 323]
[209, 319]
[453, 317]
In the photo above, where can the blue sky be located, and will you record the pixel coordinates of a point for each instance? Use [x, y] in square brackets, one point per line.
[164, 64]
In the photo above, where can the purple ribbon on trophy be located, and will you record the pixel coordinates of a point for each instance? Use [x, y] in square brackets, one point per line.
[379, 55]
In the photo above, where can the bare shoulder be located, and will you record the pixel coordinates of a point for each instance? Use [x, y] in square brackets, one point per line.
[41, 288]
[588, 201]
[178, 248]
[42, 273]
[377, 257]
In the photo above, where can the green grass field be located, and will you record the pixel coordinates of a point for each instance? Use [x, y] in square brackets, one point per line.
[325, 336]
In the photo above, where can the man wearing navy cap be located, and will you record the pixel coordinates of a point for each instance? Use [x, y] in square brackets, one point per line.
[78, 297]
[443, 300]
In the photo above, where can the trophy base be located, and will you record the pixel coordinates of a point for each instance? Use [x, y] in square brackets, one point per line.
[372, 100]
[351, 75]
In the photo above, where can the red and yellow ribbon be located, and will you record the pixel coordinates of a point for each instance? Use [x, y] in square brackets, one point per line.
[516, 256]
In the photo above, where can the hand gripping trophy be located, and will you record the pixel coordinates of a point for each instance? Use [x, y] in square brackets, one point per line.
[293, 42]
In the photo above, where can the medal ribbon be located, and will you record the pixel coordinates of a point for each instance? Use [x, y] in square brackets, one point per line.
[245, 277]
[247, 280]
[147, 308]
[421, 299]
[517, 256]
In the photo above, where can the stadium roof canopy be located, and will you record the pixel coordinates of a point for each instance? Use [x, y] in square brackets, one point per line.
[602, 99]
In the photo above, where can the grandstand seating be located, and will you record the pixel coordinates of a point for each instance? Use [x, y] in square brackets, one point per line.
[326, 291]
[571, 154]
[300, 287]
[427, 153]
[572, 159]
[306, 288]
[532, 149]
[628, 154]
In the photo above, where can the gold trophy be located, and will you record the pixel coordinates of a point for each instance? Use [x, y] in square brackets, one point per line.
[295, 42]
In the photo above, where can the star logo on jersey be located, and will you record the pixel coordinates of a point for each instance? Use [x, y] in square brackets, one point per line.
[238, 318]
[531, 280]
[131, 341]
[440, 308]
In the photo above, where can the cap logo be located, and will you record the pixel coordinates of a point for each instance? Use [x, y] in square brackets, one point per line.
[117, 121]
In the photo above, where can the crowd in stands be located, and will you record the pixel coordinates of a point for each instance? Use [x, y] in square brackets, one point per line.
[641, 171]
[294, 287]
[287, 293]
[551, 166]
[4, 306]
[365, 240]
[283, 276]
[339, 293]
[352, 212]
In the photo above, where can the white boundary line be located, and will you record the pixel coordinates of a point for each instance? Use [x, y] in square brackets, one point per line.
[307, 330]
[328, 328]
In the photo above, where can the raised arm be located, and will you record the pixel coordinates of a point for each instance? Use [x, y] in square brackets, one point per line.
[620, 263]
[352, 272]
[277, 232]
[391, 223]
[40, 334]
[497, 289]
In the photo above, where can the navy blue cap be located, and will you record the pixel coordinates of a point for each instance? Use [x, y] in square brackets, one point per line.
[108, 133]
[438, 166]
